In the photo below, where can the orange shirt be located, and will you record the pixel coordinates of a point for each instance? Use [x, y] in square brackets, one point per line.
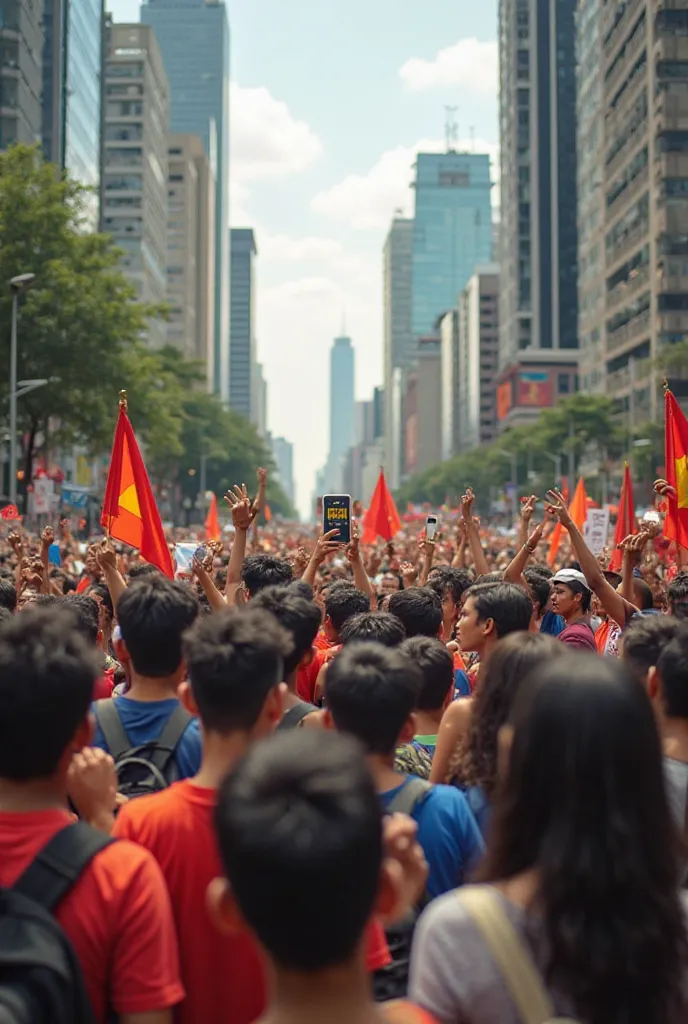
[223, 975]
[117, 916]
[602, 635]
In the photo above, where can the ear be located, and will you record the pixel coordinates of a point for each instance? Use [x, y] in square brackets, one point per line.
[328, 720]
[408, 730]
[272, 710]
[488, 627]
[186, 697]
[121, 652]
[223, 908]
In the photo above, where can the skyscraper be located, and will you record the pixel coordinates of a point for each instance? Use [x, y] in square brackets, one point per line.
[283, 452]
[242, 341]
[21, 47]
[190, 249]
[135, 162]
[194, 39]
[452, 231]
[342, 422]
[538, 237]
[398, 336]
[72, 91]
[478, 338]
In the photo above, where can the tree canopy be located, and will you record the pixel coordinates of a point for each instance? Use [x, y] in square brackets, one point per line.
[82, 328]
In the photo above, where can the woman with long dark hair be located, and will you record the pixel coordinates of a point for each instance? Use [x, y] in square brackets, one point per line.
[581, 875]
[474, 764]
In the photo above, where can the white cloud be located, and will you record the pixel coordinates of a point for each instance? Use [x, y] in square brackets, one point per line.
[469, 63]
[267, 141]
[285, 249]
[369, 200]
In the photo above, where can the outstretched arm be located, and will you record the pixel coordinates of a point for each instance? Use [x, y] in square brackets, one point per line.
[479, 561]
[514, 571]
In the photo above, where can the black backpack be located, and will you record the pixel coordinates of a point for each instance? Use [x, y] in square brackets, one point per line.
[150, 767]
[40, 976]
[391, 982]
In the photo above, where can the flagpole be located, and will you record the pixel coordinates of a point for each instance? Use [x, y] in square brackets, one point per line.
[123, 406]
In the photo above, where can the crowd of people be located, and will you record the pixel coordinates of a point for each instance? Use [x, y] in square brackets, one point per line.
[412, 782]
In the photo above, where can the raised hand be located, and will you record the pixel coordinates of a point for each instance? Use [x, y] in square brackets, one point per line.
[664, 488]
[556, 506]
[528, 507]
[243, 512]
[106, 556]
[262, 477]
[47, 537]
[92, 785]
[536, 536]
[353, 551]
[325, 546]
[409, 573]
[299, 561]
[16, 543]
[467, 506]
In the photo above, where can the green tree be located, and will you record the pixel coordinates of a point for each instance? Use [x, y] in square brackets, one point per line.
[79, 326]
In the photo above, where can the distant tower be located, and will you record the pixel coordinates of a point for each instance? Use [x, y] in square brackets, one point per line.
[451, 129]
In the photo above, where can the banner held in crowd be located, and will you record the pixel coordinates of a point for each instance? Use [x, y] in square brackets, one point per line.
[676, 459]
[130, 513]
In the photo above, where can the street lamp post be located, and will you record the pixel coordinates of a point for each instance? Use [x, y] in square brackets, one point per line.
[17, 284]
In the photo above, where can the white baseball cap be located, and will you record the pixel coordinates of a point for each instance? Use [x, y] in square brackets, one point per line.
[571, 576]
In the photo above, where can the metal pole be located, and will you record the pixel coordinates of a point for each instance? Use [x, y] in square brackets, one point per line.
[13, 399]
[572, 464]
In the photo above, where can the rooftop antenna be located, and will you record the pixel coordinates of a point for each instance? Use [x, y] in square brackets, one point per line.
[451, 128]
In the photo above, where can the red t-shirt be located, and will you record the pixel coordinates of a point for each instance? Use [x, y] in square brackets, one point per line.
[223, 975]
[117, 916]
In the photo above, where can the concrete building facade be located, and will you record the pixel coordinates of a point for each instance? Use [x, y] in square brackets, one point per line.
[21, 50]
[398, 342]
[242, 336]
[478, 358]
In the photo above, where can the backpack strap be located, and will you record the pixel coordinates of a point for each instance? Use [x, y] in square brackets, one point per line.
[512, 959]
[53, 872]
[409, 796]
[164, 747]
[292, 718]
[107, 717]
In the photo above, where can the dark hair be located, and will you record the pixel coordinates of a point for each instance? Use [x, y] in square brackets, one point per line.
[69, 584]
[100, 591]
[584, 805]
[644, 639]
[8, 595]
[445, 579]
[47, 674]
[475, 761]
[672, 667]
[302, 806]
[260, 571]
[490, 577]
[86, 612]
[419, 609]
[436, 666]
[540, 586]
[234, 659]
[370, 691]
[506, 604]
[677, 596]
[301, 588]
[46, 600]
[643, 596]
[378, 627]
[298, 615]
[153, 613]
[342, 601]
[5, 615]
[142, 571]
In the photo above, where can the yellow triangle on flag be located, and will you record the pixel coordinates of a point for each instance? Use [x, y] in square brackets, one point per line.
[129, 500]
[682, 481]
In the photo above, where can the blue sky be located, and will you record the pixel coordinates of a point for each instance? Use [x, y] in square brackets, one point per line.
[329, 103]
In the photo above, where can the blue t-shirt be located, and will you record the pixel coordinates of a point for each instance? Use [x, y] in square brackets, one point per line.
[144, 721]
[552, 624]
[448, 833]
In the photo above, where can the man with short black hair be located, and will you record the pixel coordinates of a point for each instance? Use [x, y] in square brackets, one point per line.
[260, 571]
[644, 640]
[371, 692]
[437, 669]
[490, 612]
[153, 614]
[677, 596]
[450, 584]
[420, 611]
[8, 595]
[117, 914]
[235, 660]
[377, 627]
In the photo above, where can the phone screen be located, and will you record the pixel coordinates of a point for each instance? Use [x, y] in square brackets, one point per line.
[430, 527]
[337, 516]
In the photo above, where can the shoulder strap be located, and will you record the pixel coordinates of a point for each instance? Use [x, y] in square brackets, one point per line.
[409, 796]
[59, 864]
[512, 959]
[292, 718]
[107, 717]
[166, 744]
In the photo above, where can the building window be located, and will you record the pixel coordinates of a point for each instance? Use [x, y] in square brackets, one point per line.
[563, 383]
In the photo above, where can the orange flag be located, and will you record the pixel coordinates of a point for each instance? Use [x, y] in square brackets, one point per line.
[382, 518]
[267, 512]
[578, 510]
[212, 522]
[625, 520]
[129, 510]
[676, 460]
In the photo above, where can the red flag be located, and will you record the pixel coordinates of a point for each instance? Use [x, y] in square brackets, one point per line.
[578, 511]
[129, 510]
[625, 520]
[676, 459]
[382, 518]
[10, 512]
[212, 522]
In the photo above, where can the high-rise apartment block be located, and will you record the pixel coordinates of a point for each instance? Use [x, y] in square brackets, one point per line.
[283, 452]
[422, 407]
[449, 357]
[342, 419]
[190, 249]
[72, 92]
[242, 340]
[538, 234]
[452, 231]
[134, 173]
[21, 50]
[638, 253]
[194, 40]
[398, 336]
[478, 358]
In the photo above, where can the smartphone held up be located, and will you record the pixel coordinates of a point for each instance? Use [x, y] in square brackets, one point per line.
[336, 509]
